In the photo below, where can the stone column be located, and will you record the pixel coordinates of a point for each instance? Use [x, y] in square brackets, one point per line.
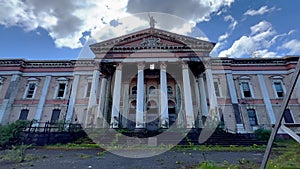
[203, 99]
[91, 109]
[9, 99]
[101, 102]
[125, 104]
[199, 114]
[106, 103]
[188, 103]
[39, 111]
[179, 109]
[232, 91]
[140, 97]
[164, 115]
[114, 122]
[72, 98]
[213, 102]
[266, 97]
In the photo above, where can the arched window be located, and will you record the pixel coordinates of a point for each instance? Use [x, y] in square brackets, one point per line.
[170, 90]
[152, 90]
[171, 104]
[133, 90]
[133, 104]
[151, 104]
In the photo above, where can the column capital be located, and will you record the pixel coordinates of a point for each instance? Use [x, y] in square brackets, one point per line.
[184, 65]
[141, 65]
[119, 66]
[207, 63]
[163, 65]
[96, 65]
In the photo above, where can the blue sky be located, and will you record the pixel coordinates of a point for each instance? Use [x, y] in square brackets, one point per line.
[58, 29]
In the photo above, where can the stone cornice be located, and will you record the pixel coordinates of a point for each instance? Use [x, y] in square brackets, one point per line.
[254, 61]
[90, 62]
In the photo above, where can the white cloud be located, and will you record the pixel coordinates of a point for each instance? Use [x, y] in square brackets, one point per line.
[233, 23]
[259, 39]
[195, 10]
[262, 10]
[260, 27]
[223, 37]
[222, 40]
[291, 32]
[293, 45]
[66, 20]
[264, 54]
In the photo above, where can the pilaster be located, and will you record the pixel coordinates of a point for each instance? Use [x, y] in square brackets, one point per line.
[38, 114]
[72, 98]
[266, 98]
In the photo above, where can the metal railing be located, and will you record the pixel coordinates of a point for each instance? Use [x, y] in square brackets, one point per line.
[53, 127]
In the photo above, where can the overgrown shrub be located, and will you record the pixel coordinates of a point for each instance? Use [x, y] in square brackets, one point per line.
[262, 134]
[13, 133]
[17, 153]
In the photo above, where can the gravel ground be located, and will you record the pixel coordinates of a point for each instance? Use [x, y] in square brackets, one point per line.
[90, 159]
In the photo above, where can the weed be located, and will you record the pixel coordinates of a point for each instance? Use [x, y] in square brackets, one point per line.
[84, 156]
[101, 153]
[17, 153]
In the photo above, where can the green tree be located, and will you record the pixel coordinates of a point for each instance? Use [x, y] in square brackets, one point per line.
[13, 133]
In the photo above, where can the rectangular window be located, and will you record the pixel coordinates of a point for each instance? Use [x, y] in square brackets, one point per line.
[246, 89]
[288, 116]
[88, 89]
[217, 90]
[30, 90]
[252, 117]
[279, 89]
[55, 116]
[23, 114]
[61, 90]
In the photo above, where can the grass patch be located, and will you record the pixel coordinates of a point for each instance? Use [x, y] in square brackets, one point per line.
[287, 156]
[84, 156]
[71, 146]
[233, 148]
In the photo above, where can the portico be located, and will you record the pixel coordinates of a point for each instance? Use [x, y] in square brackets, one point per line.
[152, 74]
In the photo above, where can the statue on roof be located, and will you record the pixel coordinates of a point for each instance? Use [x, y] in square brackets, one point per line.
[152, 21]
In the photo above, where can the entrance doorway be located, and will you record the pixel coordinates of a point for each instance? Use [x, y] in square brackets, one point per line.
[172, 113]
[152, 120]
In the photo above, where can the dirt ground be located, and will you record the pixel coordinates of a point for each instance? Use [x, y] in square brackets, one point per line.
[92, 159]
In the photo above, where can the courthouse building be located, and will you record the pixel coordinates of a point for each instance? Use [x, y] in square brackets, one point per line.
[150, 79]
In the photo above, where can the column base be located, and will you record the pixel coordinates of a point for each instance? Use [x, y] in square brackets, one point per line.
[164, 123]
[240, 128]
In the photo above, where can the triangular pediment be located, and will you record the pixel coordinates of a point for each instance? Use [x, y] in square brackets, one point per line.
[152, 39]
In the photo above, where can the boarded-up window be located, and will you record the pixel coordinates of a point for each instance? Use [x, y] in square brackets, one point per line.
[55, 116]
[288, 116]
[24, 114]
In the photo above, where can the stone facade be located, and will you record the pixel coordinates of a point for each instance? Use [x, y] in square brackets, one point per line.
[149, 79]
